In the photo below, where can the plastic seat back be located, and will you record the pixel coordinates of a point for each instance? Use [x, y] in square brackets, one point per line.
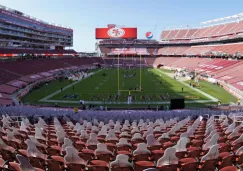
[149, 131]
[151, 141]
[169, 158]
[121, 163]
[211, 142]
[102, 149]
[213, 153]
[142, 152]
[67, 143]
[123, 142]
[73, 157]
[111, 136]
[234, 133]
[181, 144]
[33, 151]
[230, 128]
[24, 163]
[239, 154]
[92, 139]
[137, 136]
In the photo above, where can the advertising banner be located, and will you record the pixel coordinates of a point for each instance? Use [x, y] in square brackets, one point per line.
[108, 33]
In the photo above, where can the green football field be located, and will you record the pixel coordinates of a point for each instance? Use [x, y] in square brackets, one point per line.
[112, 87]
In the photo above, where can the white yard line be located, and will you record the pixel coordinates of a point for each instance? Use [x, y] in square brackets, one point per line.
[124, 102]
[45, 99]
[187, 85]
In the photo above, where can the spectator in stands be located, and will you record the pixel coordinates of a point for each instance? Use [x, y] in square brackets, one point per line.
[148, 107]
[75, 110]
[219, 102]
[239, 100]
[81, 102]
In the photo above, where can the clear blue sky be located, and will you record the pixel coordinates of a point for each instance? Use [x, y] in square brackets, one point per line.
[83, 16]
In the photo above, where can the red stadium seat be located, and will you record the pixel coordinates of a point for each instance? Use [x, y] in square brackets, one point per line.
[229, 168]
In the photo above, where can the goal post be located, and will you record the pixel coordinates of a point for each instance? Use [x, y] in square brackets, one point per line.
[118, 75]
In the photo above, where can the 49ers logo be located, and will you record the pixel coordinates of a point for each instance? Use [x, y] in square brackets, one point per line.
[116, 32]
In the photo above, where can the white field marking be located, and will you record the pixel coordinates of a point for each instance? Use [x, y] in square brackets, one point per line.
[125, 102]
[151, 102]
[195, 89]
[68, 86]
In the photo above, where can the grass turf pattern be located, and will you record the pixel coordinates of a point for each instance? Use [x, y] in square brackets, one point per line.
[103, 86]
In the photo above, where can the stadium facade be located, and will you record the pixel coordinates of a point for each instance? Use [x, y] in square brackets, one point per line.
[216, 60]
[214, 51]
[41, 136]
[19, 30]
[183, 41]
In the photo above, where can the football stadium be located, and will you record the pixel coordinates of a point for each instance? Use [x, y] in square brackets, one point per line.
[172, 102]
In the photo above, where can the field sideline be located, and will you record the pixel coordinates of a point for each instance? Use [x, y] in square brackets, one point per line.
[102, 88]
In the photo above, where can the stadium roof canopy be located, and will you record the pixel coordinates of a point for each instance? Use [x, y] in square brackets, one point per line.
[30, 17]
[232, 18]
